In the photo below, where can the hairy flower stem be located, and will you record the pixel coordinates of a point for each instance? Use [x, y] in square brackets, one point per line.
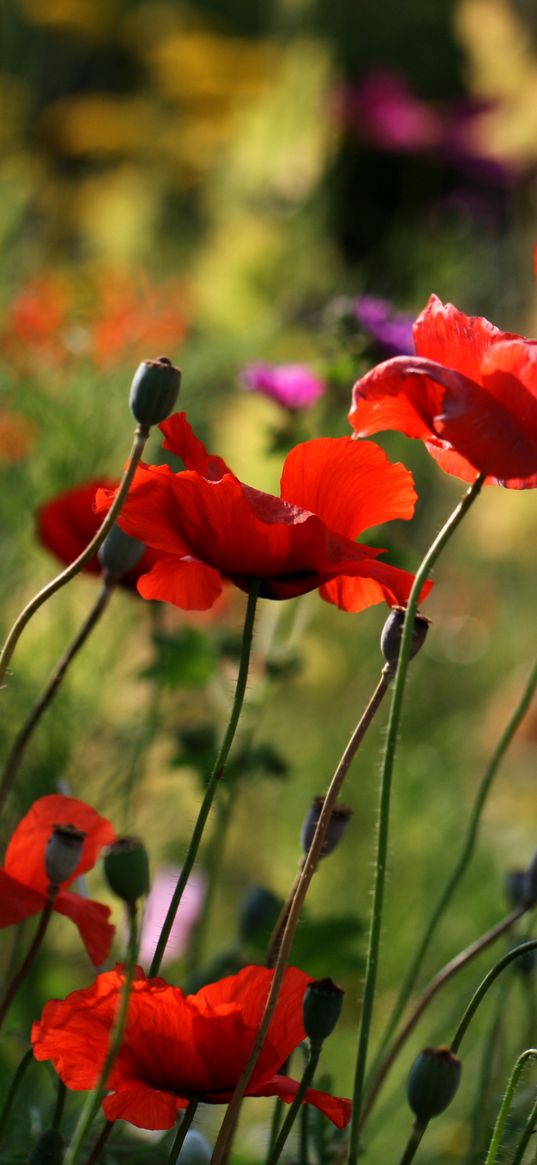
[526, 1137]
[227, 1129]
[140, 437]
[214, 779]
[23, 970]
[520, 1064]
[440, 979]
[13, 1089]
[462, 862]
[384, 808]
[25, 733]
[95, 1098]
[184, 1126]
[307, 1077]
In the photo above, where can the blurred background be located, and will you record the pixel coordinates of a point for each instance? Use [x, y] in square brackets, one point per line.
[240, 184]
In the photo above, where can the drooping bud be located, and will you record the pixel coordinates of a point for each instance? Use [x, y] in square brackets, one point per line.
[390, 639]
[119, 552]
[195, 1150]
[154, 391]
[432, 1082]
[321, 1009]
[126, 866]
[259, 912]
[339, 820]
[49, 1149]
[63, 852]
[515, 887]
[530, 884]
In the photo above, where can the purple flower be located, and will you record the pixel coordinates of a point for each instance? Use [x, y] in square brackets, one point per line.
[383, 109]
[158, 901]
[291, 385]
[391, 330]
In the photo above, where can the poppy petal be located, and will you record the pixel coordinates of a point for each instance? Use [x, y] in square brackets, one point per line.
[91, 918]
[180, 439]
[17, 901]
[384, 584]
[67, 523]
[25, 853]
[185, 582]
[149, 509]
[336, 1108]
[446, 335]
[146, 1108]
[350, 484]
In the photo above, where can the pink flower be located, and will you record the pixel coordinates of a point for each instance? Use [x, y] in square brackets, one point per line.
[291, 385]
[156, 909]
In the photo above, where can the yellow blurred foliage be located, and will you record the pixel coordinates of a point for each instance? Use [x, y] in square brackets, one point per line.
[91, 17]
[116, 213]
[101, 124]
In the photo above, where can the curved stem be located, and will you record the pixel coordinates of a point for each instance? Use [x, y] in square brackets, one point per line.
[310, 865]
[13, 1088]
[526, 1136]
[487, 982]
[22, 972]
[384, 807]
[462, 861]
[95, 1097]
[492, 1155]
[140, 438]
[214, 779]
[307, 1077]
[183, 1130]
[24, 735]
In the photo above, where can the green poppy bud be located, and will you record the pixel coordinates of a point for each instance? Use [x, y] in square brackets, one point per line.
[119, 552]
[154, 391]
[432, 1082]
[49, 1149]
[259, 912]
[195, 1150]
[530, 884]
[126, 866]
[390, 640]
[337, 826]
[321, 1009]
[63, 852]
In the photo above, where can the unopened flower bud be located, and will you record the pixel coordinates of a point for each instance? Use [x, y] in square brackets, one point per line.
[530, 884]
[339, 819]
[321, 1009]
[126, 866]
[154, 391]
[63, 852]
[49, 1149]
[515, 887]
[390, 640]
[195, 1150]
[432, 1082]
[259, 912]
[119, 552]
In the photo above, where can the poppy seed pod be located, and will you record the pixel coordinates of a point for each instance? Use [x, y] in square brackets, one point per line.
[63, 852]
[195, 1150]
[119, 552]
[126, 867]
[154, 391]
[49, 1149]
[321, 1009]
[390, 639]
[258, 913]
[530, 884]
[432, 1082]
[339, 819]
[515, 887]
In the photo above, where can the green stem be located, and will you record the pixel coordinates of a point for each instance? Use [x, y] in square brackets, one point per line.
[24, 735]
[303, 1154]
[462, 862]
[526, 1136]
[487, 982]
[100, 1142]
[60, 1104]
[307, 1077]
[384, 807]
[13, 1089]
[488, 1057]
[414, 1140]
[492, 1155]
[213, 864]
[214, 779]
[183, 1130]
[140, 438]
[94, 1099]
[22, 972]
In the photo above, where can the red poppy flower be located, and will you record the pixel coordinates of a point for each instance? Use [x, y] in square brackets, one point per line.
[470, 393]
[177, 1046]
[206, 524]
[67, 523]
[23, 881]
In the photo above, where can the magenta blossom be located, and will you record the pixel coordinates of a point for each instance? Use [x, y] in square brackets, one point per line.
[390, 330]
[293, 386]
[156, 909]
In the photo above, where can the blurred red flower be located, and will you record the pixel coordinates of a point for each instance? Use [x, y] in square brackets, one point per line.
[66, 524]
[177, 1046]
[470, 393]
[206, 524]
[24, 883]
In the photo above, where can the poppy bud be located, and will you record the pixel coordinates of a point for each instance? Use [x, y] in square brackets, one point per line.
[154, 391]
[530, 884]
[432, 1082]
[321, 1009]
[515, 887]
[339, 819]
[49, 1149]
[62, 853]
[195, 1150]
[259, 912]
[126, 866]
[390, 640]
[119, 552]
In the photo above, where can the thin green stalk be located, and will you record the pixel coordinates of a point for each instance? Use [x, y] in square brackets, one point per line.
[43, 701]
[303, 1153]
[140, 437]
[520, 1064]
[13, 1089]
[213, 865]
[183, 1130]
[94, 1099]
[384, 807]
[481, 991]
[60, 1104]
[414, 1141]
[25, 966]
[98, 1147]
[481, 1103]
[294, 1109]
[526, 1136]
[214, 779]
[462, 862]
